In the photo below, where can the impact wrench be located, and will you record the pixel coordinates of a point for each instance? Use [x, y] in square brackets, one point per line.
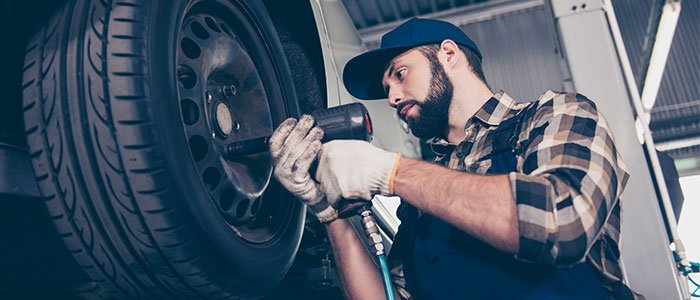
[345, 122]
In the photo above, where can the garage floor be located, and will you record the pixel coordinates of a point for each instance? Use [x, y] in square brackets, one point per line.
[33, 262]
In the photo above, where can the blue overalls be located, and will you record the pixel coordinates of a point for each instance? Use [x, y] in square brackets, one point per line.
[442, 262]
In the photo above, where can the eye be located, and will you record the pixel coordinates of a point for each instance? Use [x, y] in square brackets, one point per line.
[401, 73]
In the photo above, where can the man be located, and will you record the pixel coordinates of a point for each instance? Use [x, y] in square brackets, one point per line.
[523, 202]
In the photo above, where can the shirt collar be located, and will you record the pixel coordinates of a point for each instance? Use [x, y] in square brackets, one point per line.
[440, 146]
[497, 109]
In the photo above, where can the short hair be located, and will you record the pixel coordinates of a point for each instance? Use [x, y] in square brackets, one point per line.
[430, 52]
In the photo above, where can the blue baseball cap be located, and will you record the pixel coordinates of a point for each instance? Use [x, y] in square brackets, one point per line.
[363, 73]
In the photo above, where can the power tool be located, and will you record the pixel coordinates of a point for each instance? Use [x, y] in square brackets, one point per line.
[344, 122]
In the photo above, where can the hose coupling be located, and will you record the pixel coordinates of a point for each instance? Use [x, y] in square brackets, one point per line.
[372, 231]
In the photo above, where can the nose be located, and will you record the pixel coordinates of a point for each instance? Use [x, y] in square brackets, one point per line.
[395, 96]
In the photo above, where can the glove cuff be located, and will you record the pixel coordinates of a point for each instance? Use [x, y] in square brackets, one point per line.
[327, 214]
[393, 173]
[384, 180]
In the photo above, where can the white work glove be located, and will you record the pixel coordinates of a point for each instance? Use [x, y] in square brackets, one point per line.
[294, 146]
[350, 169]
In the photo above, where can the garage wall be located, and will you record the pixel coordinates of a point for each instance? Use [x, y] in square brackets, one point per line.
[520, 53]
[676, 115]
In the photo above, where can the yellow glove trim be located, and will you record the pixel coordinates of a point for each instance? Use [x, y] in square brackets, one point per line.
[393, 173]
[329, 219]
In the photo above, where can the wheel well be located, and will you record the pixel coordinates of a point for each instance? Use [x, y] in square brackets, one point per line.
[295, 20]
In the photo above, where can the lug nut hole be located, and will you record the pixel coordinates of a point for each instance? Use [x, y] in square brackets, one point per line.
[199, 31]
[190, 111]
[211, 24]
[211, 177]
[198, 147]
[190, 48]
[226, 199]
[242, 207]
[186, 76]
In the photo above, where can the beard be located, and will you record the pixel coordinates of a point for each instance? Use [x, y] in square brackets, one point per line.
[433, 114]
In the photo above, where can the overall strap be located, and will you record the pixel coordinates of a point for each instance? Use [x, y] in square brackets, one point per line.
[505, 151]
[507, 133]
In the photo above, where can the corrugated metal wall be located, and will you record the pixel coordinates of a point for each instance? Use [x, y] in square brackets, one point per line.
[520, 53]
[676, 114]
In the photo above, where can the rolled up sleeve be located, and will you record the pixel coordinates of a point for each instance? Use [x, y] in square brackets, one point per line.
[569, 179]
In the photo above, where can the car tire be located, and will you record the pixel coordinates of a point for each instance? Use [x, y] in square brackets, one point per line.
[125, 107]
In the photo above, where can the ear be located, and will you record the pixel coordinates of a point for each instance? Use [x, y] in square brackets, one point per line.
[451, 52]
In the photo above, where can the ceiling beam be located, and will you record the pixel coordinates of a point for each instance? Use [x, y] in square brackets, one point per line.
[458, 16]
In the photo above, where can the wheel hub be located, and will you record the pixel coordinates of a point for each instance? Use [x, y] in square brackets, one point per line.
[223, 119]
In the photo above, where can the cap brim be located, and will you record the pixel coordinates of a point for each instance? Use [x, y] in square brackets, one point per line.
[363, 73]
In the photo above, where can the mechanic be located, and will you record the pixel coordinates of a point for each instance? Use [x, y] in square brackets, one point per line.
[523, 201]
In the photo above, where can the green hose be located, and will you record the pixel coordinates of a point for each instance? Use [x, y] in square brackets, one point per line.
[386, 277]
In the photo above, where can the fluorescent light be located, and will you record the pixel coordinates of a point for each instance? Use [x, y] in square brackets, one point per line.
[659, 54]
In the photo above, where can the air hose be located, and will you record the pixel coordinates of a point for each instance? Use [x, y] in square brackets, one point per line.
[386, 278]
[375, 241]
[693, 268]
[361, 208]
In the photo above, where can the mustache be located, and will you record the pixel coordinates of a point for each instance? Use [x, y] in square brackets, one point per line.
[405, 103]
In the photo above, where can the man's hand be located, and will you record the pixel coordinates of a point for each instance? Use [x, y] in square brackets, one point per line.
[355, 170]
[294, 147]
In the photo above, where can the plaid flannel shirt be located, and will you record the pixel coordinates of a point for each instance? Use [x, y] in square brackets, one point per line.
[567, 185]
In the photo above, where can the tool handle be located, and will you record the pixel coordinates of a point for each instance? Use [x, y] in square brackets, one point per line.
[247, 147]
[351, 207]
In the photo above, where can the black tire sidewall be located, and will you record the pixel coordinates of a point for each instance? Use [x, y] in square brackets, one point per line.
[261, 265]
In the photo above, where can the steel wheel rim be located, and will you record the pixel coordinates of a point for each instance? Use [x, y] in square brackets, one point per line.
[222, 99]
